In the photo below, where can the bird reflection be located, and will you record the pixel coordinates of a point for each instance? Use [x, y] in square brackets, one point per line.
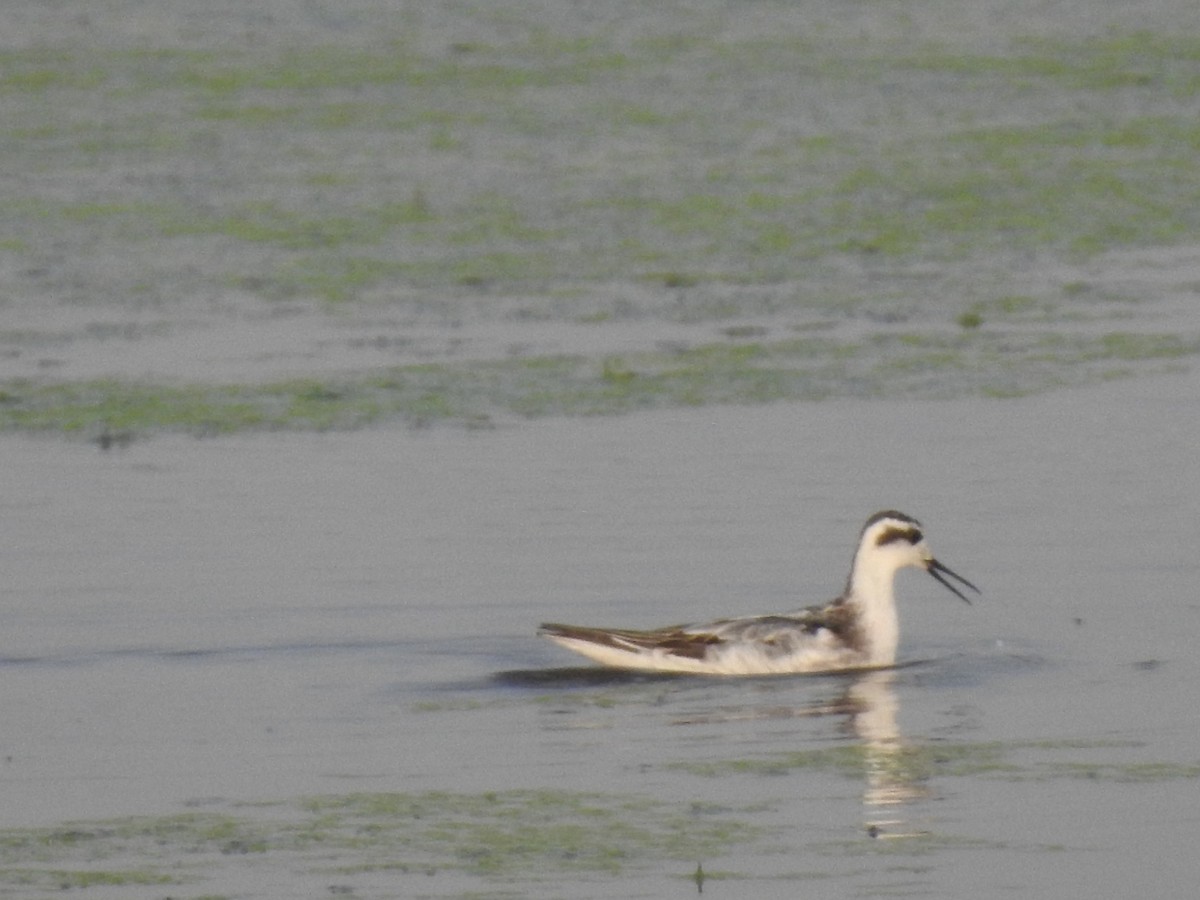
[892, 774]
[891, 779]
[867, 703]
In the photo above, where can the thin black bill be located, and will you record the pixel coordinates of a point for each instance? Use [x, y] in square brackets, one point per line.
[936, 569]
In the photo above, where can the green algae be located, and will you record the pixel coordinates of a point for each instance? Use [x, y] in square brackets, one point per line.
[80, 879]
[969, 362]
[918, 762]
[1076, 176]
[341, 178]
[531, 834]
[531, 837]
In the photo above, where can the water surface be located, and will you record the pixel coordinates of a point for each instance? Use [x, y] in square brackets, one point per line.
[228, 627]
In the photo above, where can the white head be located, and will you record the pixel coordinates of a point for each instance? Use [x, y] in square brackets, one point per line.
[890, 541]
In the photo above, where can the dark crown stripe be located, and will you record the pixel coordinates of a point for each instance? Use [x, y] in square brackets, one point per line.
[890, 514]
[891, 535]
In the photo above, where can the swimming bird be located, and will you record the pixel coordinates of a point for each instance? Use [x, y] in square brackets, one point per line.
[857, 630]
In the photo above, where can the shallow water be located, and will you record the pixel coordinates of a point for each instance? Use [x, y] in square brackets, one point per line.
[283, 665]
[193, 626]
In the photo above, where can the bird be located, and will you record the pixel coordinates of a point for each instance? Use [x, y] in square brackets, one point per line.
[857, 630]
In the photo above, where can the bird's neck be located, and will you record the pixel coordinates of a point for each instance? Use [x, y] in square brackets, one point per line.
[870, 590]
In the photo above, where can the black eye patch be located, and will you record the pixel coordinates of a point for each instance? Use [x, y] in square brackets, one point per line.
[912, 535]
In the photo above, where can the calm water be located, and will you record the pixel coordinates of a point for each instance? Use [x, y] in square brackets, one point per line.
[190, 625]
[307, 663]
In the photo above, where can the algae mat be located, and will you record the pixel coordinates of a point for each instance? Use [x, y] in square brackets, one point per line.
[336, 215]
[552, 843]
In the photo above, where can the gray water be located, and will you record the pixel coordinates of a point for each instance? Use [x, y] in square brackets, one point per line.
[194, 625]
[291, 664]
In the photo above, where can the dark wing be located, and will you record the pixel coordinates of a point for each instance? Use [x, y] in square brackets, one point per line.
[674, 640]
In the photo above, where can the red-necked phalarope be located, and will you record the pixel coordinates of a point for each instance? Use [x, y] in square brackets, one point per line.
[857, 630]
